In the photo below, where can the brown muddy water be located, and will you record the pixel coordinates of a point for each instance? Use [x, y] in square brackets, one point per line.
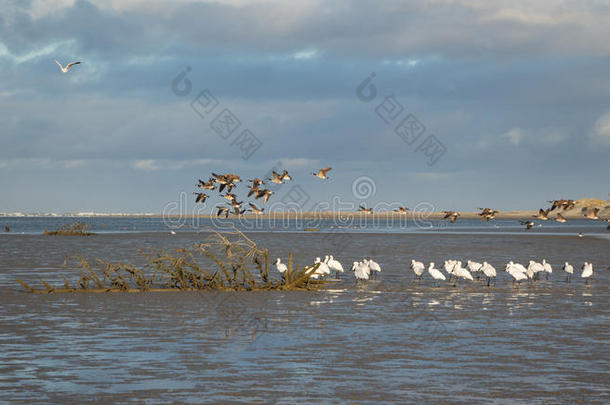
[390, 340]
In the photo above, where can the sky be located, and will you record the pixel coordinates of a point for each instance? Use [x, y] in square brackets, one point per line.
[448, 104]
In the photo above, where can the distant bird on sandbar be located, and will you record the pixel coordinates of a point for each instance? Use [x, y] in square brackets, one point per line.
[67, 68]
[452, 215]
[366, 210]
[256, 210]
[201, 197]
[322, 173]
[402, 210]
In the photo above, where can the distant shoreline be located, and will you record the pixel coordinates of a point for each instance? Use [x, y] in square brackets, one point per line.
[411, 215]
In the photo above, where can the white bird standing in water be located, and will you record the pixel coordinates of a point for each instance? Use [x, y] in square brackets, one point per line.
[547, 268]
[281, 267]
[587, 271]
[515, 272]
[322, 269]
[474, 267]
[435, 273]
[489, 271]
[66, 69]
[361, 271]
[335, 265]
[373, 266]
[418, 268]
[462, 272]
[568, 268]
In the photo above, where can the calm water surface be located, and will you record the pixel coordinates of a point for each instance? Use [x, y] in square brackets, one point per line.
[389, 340]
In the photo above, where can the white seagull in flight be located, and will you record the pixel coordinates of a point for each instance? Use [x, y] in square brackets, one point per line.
[68, 66]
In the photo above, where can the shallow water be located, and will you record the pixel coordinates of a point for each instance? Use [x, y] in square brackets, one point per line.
[392, 339]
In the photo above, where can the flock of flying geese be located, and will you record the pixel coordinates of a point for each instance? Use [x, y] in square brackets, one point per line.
[455, 270]
[229, 181]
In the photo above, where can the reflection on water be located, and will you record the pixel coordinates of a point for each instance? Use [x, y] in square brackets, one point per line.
[393, 339]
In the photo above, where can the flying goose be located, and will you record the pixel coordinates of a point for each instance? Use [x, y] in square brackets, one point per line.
[542, 215]
[277, 178]
[487, 213]
[265, 193]
[256, 210]
[366, 210]
[286, 176]
[253, 190]
[592, 215]
[560, 218]
[322, 173]
[209, 185]
[256, 182]
[68, 66]
[222, 210]
[528, 224]
[201, 197]
[452, 215]
[229, 196]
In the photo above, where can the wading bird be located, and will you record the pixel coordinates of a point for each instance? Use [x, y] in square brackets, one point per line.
[67, 68]
[435, 273]
[489, 271]
[335, 265]
[361, 271]
[374, 266]
[568, 268]
[322, 173]
[587, 271]
[418, 268]
[281, 267]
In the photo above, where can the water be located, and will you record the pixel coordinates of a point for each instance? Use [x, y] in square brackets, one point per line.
[389, 340]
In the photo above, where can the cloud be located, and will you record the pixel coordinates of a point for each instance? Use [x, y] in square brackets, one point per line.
[514, 136]
[299, 162]
[147, 165]
[601, 130]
